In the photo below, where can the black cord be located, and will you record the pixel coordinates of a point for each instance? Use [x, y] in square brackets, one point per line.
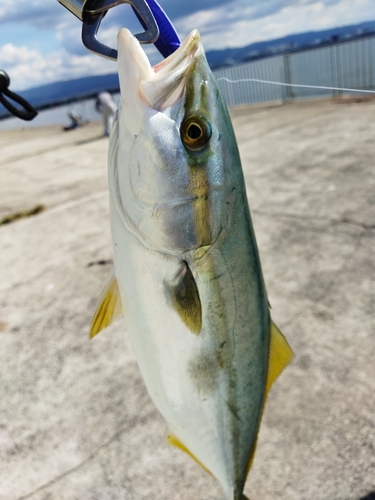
[27, 113]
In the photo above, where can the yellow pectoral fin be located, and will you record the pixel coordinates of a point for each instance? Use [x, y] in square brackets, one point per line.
[174, 441]
[109, 306]
[280, 355]
[183, 295]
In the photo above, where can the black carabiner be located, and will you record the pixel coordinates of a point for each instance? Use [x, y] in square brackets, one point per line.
[28, 113]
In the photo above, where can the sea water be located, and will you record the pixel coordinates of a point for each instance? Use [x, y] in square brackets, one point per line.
[59, 115]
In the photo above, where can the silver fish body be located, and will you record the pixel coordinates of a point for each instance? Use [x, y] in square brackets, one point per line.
[186, 259]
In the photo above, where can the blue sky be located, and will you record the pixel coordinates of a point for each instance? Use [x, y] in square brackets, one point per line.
[40, 41]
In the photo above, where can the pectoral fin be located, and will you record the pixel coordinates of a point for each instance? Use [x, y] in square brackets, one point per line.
[109, 306]
[183, 295]
[174, 441]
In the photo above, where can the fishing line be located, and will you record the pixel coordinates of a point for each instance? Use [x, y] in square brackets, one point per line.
[257, 80]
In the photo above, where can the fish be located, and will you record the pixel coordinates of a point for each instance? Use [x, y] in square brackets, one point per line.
[187, 275]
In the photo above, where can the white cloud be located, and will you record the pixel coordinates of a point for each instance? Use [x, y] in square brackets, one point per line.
[40, 13]
[247, 24]
[29, 68]
[222, 23]
[11, 55]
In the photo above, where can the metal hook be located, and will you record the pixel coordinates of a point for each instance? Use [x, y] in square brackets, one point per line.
[92, 12]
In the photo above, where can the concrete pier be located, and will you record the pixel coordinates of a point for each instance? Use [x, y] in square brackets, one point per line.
[76, 422]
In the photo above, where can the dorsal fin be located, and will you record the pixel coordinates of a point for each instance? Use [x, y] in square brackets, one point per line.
[280, 355]
[184, 298]
[174, 441]
[109, 306]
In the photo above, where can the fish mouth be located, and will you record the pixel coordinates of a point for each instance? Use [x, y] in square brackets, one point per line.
[162, 85]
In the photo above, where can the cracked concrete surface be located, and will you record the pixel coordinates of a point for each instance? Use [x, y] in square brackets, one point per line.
[75, 419]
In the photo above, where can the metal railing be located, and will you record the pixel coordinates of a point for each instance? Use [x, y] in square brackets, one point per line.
[346, 64]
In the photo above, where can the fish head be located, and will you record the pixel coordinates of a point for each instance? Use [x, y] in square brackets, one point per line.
[173, 154]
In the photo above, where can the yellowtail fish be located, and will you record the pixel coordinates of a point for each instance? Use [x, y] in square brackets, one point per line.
[186, 267]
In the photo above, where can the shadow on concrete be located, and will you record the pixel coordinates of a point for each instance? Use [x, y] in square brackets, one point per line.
[101, 262]
[369, 496]
[91, 139]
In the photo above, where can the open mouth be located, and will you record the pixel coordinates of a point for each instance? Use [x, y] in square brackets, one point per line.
[185, 51]
[162, 85]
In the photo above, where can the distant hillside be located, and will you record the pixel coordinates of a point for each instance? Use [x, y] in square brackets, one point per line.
[290, 43]
[73, 89]
[69, 91]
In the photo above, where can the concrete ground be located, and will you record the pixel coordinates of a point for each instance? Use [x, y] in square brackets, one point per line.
[76, 422]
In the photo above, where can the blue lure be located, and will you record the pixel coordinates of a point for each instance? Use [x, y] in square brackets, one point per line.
[168, 40]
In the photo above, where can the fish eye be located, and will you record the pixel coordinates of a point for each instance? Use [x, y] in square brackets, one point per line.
[195, 132]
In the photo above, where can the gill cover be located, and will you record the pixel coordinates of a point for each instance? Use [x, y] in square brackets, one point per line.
[166, 161]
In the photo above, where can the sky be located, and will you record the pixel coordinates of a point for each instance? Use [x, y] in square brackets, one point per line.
[40, 41]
